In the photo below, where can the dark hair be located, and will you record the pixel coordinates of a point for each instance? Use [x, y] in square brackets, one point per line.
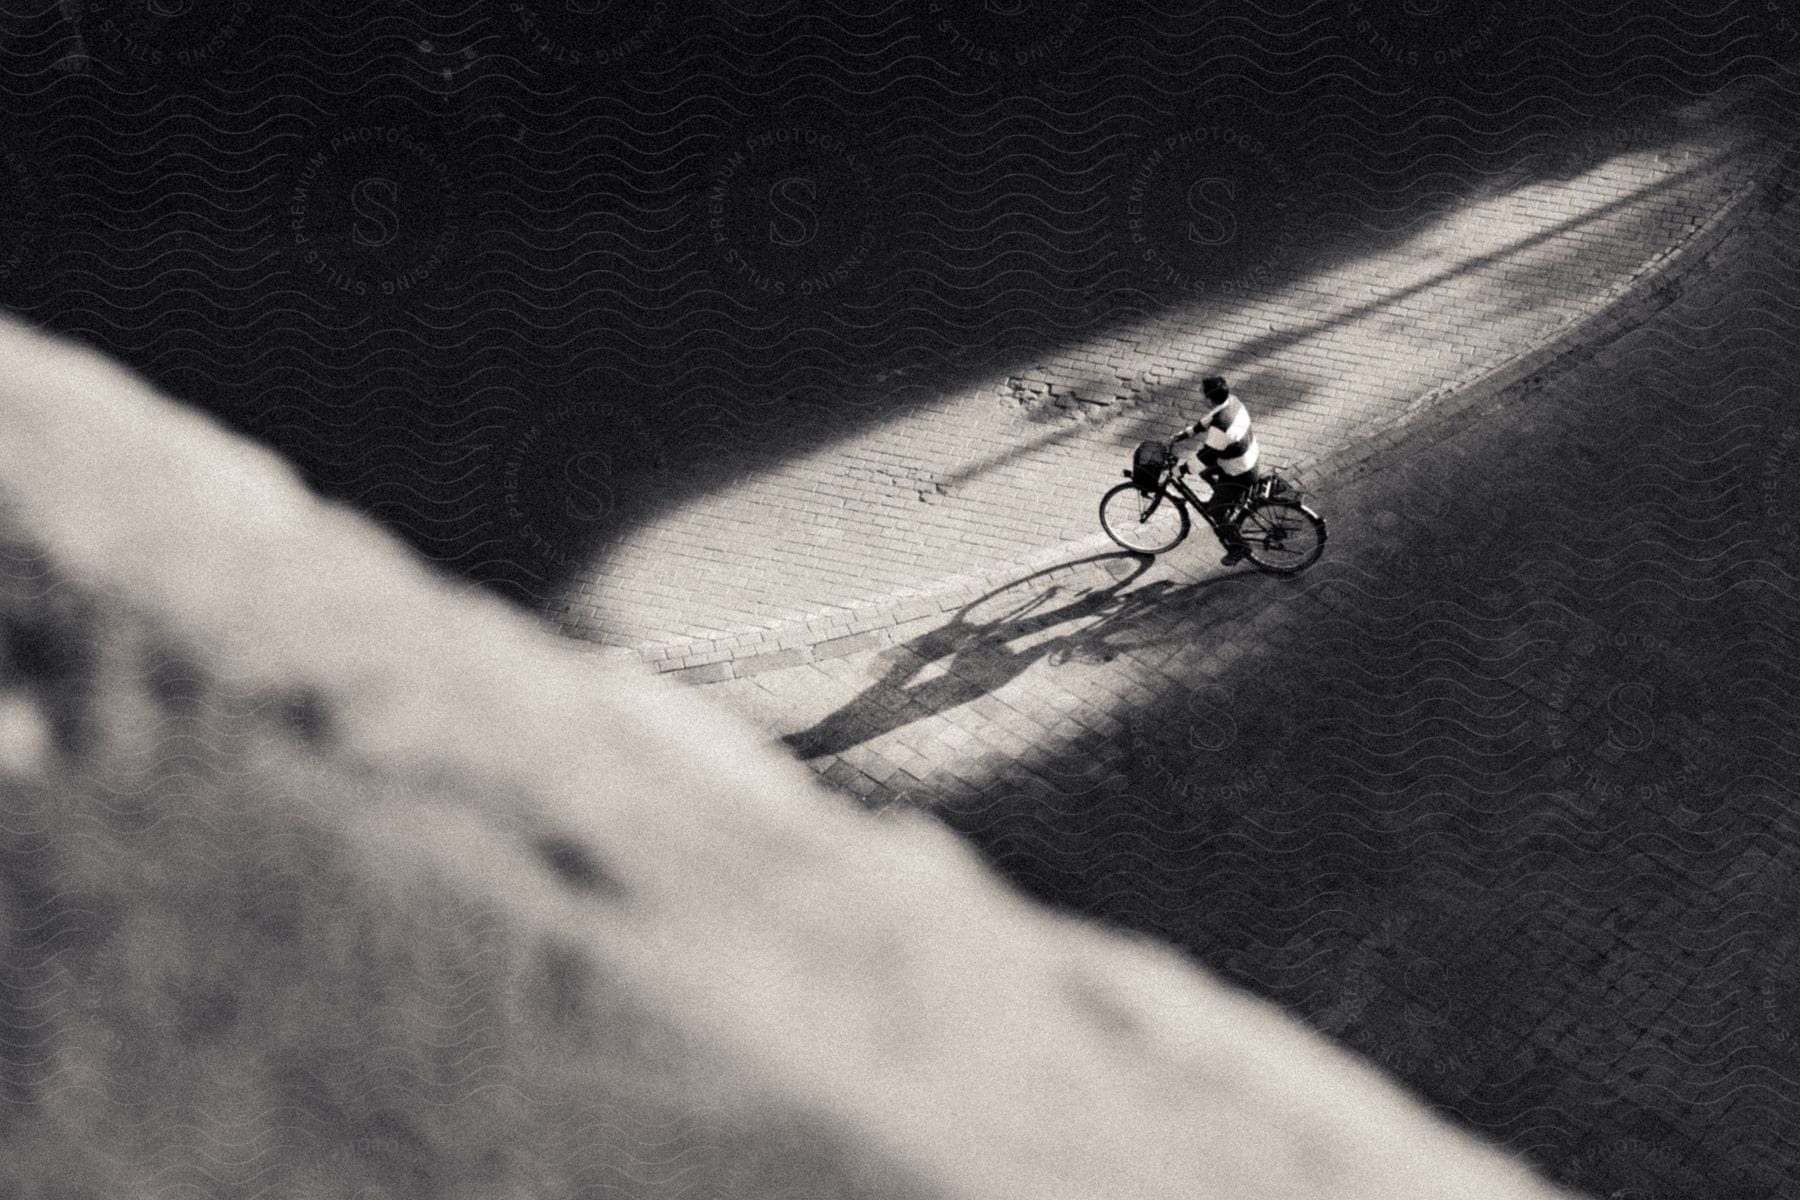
[1214, 385]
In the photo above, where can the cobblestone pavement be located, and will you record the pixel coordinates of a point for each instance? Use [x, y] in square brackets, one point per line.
[818, 546]
[1480, 299]
[1502, 793]
[692, 328]
[1349, 246]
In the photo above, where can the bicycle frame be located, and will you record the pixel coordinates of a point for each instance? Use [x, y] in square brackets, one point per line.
[1270, 523]
[1174, 487]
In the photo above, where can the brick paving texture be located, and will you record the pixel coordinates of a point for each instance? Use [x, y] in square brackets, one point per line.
[1007, 469]
[791, 347]
[519, 301]
[1502, 793]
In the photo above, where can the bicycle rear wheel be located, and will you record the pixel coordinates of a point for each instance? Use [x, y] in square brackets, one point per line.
[1284, 537]
[1143, 524]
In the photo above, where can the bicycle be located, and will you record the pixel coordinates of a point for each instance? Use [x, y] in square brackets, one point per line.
[1148, 514]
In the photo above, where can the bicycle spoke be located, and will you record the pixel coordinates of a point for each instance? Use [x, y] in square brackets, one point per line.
[1283, 537]
[1142, 524]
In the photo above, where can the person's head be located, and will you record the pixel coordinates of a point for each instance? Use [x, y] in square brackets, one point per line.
[1214, 388]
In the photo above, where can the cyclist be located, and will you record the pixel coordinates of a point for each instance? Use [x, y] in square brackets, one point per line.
[1228, 461]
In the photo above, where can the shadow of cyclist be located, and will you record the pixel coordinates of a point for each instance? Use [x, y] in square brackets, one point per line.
[997, 637]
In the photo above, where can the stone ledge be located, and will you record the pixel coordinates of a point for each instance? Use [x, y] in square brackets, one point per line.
[324, 876]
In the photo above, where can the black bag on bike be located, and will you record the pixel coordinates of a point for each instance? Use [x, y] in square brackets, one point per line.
[1147, 465]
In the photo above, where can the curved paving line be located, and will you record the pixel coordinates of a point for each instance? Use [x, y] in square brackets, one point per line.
[1654, 285]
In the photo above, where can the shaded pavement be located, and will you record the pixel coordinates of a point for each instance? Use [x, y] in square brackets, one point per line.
[1501, 794]
[767, 318]
[824, 538]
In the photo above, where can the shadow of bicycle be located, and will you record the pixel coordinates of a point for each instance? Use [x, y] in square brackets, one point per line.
[1107, 609]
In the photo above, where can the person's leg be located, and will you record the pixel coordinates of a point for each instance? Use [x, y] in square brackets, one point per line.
[1227, 495]
[1237, 495]
[1227, 499]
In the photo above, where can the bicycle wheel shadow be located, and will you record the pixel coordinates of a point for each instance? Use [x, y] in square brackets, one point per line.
[997, 637]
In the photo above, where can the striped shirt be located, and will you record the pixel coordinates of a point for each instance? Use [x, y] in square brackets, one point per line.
[1230, 442]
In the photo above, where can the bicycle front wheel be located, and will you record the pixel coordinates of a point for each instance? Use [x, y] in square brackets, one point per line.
[1283, 537]
[1143, 524]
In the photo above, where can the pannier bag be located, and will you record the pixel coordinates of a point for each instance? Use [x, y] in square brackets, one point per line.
[1147, 465]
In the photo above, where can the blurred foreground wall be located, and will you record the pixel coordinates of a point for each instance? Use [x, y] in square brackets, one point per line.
[324, 877]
